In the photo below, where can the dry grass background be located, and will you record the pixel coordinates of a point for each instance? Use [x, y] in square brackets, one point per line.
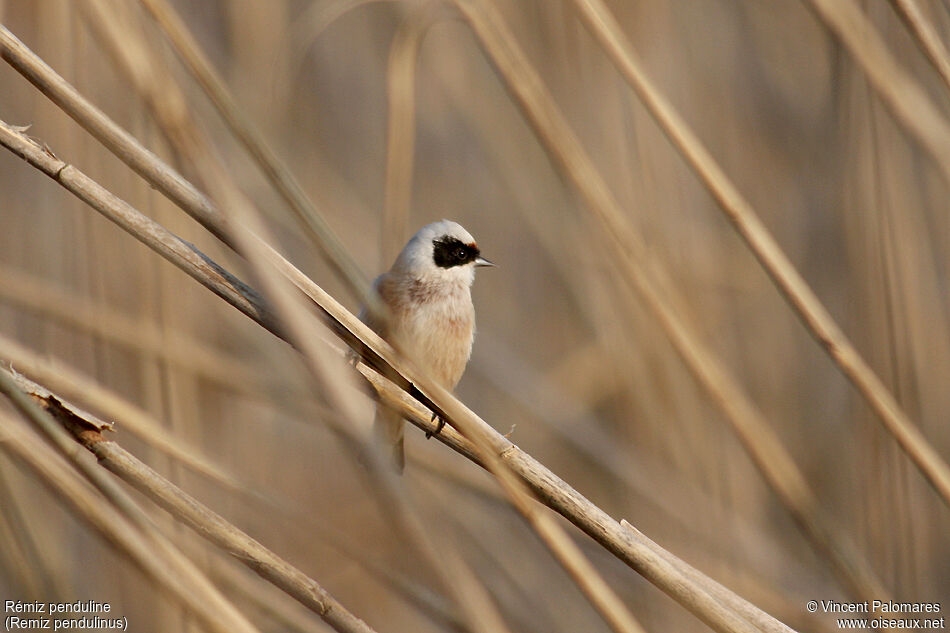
[566, 358]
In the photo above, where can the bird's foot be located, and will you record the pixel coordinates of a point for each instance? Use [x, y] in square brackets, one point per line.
[438, 427]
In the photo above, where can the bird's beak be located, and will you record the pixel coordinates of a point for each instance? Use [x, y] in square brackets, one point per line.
[481, 261]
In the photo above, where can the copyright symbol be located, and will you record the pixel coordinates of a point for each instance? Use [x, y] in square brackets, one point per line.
[812, 606]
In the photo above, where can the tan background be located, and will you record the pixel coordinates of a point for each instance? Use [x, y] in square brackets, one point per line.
[564, 356]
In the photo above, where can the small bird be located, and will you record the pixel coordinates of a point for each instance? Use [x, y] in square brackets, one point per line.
[431, 316]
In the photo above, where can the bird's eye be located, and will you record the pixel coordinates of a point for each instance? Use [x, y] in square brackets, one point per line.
[461, 253]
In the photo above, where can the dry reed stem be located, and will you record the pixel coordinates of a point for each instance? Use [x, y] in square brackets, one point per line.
[204, 593]
[813, 314]
[552, 490]
[902, 95]
[142, 544]
[256, 145]
[199, 518]
[642, 274]
[926, 36]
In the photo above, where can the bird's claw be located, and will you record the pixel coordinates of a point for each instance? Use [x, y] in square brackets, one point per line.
[438, 427]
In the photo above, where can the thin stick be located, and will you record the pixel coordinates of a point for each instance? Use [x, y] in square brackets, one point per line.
[813, 314]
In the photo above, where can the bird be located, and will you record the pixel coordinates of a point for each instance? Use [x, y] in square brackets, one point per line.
[431, 317]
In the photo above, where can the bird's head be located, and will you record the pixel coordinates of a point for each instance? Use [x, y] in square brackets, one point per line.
[441, 251]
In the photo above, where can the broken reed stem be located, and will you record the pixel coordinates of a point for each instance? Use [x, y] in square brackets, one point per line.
[72, 383]
[116, 516]
[553, 491]
[199, 518]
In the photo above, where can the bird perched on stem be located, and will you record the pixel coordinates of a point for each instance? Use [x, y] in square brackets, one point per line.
[431, 317]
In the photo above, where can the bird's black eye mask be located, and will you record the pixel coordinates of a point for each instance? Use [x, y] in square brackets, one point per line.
[451, 251]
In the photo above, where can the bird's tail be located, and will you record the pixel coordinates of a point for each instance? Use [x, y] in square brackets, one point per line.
[388, 427]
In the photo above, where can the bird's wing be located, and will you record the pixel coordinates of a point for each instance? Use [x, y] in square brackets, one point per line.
[372, 321]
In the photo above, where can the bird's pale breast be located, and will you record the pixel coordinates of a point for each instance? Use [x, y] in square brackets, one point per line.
[434, 325]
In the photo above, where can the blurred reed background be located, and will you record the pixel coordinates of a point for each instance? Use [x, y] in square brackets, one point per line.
[566, 358]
